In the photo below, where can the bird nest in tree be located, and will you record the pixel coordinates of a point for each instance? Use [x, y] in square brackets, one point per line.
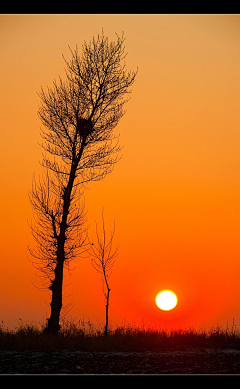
[84, 126]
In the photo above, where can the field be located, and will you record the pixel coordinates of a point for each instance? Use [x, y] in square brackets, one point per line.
[81, 349]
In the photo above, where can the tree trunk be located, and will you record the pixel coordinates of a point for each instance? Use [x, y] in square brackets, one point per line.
[56, 303]
[107, 305]
[56, 287]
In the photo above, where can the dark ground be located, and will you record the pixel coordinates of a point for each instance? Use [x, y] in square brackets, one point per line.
[191, 361]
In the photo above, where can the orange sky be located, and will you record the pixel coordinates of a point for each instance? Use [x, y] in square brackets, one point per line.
[175, 194]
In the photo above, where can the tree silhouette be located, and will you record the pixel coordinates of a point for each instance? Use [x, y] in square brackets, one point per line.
[79, 116]
[103, 259]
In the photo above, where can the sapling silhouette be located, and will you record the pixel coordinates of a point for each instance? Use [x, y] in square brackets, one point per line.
[79, 116]
[103, 259]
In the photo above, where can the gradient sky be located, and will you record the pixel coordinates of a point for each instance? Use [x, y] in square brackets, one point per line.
[175, 194]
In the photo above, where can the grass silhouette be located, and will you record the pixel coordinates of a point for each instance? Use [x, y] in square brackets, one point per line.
[82, 336]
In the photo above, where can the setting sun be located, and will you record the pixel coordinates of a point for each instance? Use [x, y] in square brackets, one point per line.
[166, 300]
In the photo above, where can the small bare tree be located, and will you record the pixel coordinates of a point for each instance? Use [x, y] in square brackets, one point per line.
[103, 259]
[79, 116]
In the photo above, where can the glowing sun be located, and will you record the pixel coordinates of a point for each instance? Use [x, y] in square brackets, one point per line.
[166, 300]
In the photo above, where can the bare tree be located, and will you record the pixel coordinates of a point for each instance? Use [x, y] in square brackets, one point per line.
[103, 259]
[79, 116]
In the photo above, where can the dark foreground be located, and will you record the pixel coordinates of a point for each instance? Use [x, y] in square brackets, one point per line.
[195, 361]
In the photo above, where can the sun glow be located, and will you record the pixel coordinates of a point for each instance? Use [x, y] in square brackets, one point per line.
[166, 300]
